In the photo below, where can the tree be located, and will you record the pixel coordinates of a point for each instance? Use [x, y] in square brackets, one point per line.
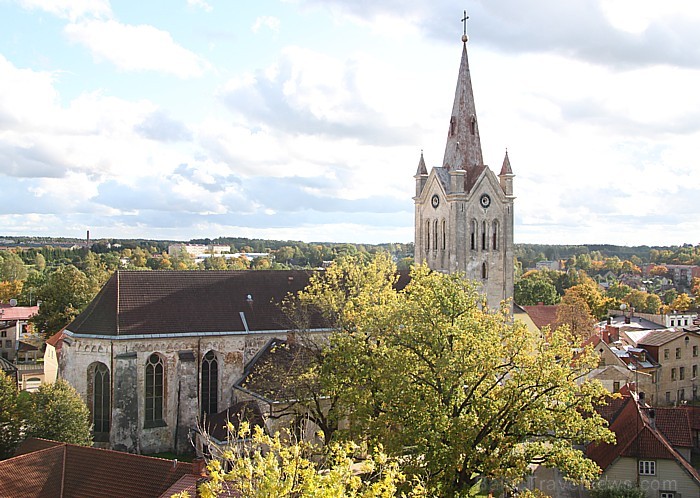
[681, 303]
[574, 313]
[64, 295]
[652, 304]
[10, 289]
[458, 391]
[10, 419]
[57, 412]
[534, 289]
[269, 466]
[11, 267]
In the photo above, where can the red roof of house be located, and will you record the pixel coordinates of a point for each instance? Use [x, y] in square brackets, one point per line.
[58, 470]
[542, 315]
[56, 340]
[8, 312]
[637, 437]
[675, 425]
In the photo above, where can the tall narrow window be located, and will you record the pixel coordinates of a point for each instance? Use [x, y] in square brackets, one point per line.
[154, 390]
[484, 236]
[473, 235]
[494, 235]
[210, 384]
[100, 398]
[427, 235]
[484, 271]
[453, 125]
[444, 234]
[435, 235]
[472, 126]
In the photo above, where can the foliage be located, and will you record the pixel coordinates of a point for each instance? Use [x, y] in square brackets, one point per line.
[268, 466]
[10, 419]
[574, 313]
[57, 412]
[681, 303]
[11, 267]
[458, 391]
[606, 489]
[64, 295]
[535, 288]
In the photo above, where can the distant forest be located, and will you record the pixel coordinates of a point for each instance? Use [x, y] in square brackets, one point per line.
[65, 274]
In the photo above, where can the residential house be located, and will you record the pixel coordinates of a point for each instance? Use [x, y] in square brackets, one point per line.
[650, 450]
[678, 354]
[14, 321]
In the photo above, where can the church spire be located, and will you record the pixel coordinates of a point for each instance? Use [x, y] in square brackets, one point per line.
[463, 149]
[422, 170]
[506, 169]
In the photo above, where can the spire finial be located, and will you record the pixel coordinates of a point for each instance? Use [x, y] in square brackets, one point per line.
[464, 22]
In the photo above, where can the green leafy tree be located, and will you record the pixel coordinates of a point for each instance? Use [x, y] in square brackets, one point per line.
[57, 412]
[11, 267]
[64, 295]
[652, 304]
[10, 419]
[458, 391]
[270, 466]
[39, 262]
[533, 289]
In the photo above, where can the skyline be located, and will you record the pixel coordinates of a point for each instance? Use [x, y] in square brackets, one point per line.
[305, 120]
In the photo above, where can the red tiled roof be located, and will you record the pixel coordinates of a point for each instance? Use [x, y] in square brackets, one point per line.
[636, 438]
[67, 470]
[675, 425]
[542, 315]
[56, 340]
[8, 312]
[693, 416]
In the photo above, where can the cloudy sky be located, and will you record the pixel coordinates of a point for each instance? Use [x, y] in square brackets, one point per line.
[304, 119]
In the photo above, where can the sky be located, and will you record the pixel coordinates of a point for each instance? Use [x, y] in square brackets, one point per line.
[305, 119]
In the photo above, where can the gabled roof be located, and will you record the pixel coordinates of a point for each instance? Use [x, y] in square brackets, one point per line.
[65, 470]
[675, 425]
[278, 360]
[217, 425]
[181, 302]
[637, 437]
[542, 314]
[660, 337]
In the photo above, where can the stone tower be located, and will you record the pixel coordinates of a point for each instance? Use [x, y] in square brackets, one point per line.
[464, 212]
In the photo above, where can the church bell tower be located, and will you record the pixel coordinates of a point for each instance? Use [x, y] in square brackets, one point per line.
[464, 212]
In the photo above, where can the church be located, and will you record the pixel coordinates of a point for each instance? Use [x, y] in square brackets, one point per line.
[155, 352]
[464, 212]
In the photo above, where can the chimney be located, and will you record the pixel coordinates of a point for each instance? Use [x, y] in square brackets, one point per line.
[199, 467]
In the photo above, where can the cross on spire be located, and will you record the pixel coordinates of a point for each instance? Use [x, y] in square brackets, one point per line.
[464, 21]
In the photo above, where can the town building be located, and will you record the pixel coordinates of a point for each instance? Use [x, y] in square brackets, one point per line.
[463, 211]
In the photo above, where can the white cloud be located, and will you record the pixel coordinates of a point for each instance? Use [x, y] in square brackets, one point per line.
[202, 4]
[272, 23]
[71, 9]
[136, 48]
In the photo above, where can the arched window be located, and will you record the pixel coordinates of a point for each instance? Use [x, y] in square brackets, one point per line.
[472, 244]
[484, 271]
[154, 390]
[427, 235]
[494, 236]
[444, 234]
[435, 235]
[99, 398]
[484, 236]
[210, 384]
[472, 126]
[453, 125]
